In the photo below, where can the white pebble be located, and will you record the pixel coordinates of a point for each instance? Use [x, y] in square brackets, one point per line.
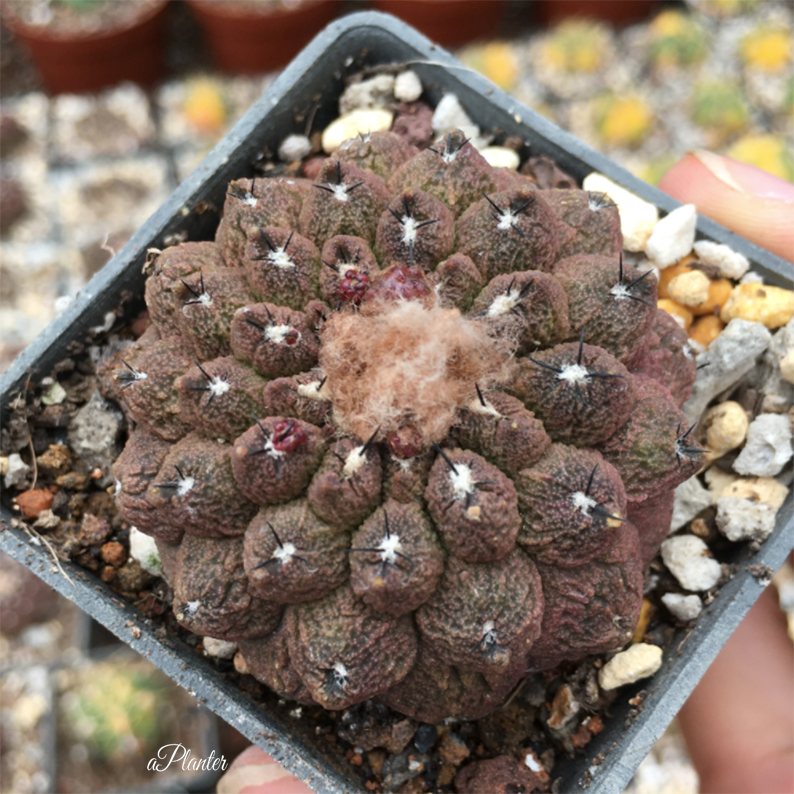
[751, 277]
[672, 238]
[683, 607]
[145, 551]
[501, 157]
[690, 498]
[687, 557]
[47, 520]
[376, 92]
[718, 481]
[354, 123]
[407, 87]
[637, 216]
[639, 661]
[55, 395]
[221, 649]
[17, 471]
[726, 427]
[690, 289]
[743, 519]
[787, 367]
[449, 115]
[768, 446]
[730, 263]
[294, 147]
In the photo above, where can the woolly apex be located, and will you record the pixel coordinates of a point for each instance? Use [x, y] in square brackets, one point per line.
[404, 368]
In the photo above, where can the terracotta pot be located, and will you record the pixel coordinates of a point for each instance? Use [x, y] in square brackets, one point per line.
[449, 22]
[618, 12]
[70, 64]
[248, 42]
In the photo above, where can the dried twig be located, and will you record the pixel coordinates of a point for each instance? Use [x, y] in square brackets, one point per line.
[32, 533]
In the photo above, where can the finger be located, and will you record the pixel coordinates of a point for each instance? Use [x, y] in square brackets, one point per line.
[255, 772]
[739, 721]
[746, 200]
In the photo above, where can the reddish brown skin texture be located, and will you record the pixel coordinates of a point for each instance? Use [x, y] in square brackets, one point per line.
[414, 123]
[399, 282]
[540, 318]
[351, 261]
[398, 587]
[278, 203]
[210, 571]
[135, 470]
[220, 415]
[457, 281]
[554, 529]
[591, 608]
[652, 519]
[380, 152]
[295, 353]
[324, 216]
[281, 398]
[664, 359]
[644, 449]
[165, 283]
[457, 183]
[433, 243]
[213, 506]
[586, 416]
[480, 526]
[584, 230]
[376, 651]
[269, 478]
[318, 565]
[617, 325]
[508, 594]
[513, 440]
[496, 251]
[206, 328]
[345, 501]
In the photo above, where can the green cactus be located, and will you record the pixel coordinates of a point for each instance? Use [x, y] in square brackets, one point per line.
[388, 422]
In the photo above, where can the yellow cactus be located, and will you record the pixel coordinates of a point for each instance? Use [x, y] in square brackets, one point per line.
[720, 108]
[499, 64]
[767, 48]
[577, 45]
[204, 107]
[768, 152]
[676, 40]
[623, 121]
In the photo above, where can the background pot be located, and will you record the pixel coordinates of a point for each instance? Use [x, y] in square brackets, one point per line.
[618, 12]
[342, 49]
[449, 22]
[77, 64]
[248, 42]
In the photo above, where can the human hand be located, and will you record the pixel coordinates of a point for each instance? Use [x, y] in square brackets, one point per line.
[739, 721]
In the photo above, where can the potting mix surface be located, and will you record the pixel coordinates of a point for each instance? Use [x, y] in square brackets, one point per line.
[81, 172]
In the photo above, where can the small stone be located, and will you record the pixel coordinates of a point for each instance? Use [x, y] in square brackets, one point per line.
[758, 489]
[47, 520]
[751, 277]
[55, 395]
[501, 157]
[729, 357]
[787, 366]
[564, 707]
[690, 498]
[637, 216]
[425, 737]
[768, 447]
[94, 431]
[730, 263]
[449, 115]
[240, 665]
[452, 749]
[220, 649]
[705, 330]
[760, 303]
[377, 92]
[407, 87]
[294, 147]
[690, 289]
[16, 471]
[639, 661]
[144, 549]
[31, 503]
[113, 553]
[689, 560]
[357, 122]
[718, 480]
[672, 237]
[743, 519]
[683, 607]
[726, 427]
[93, 529]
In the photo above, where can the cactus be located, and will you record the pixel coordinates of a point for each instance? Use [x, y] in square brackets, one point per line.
[392, 428]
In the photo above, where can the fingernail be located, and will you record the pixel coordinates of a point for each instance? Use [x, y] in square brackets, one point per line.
[745, 178]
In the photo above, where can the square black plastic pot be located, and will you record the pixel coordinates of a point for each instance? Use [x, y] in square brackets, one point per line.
[312, 84]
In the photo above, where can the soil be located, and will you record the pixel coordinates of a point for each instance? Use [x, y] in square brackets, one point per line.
[383, 749]
[80, 18]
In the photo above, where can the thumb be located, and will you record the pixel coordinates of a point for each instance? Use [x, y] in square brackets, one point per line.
[744, 199]
[255, 772]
